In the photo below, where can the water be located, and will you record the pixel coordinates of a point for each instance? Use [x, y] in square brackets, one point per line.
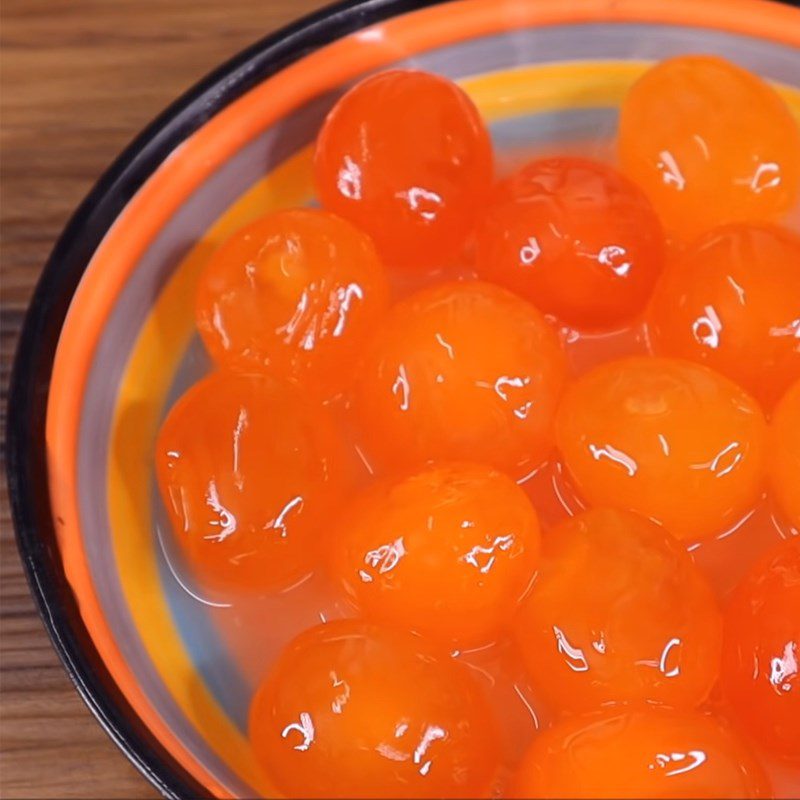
[234, 638]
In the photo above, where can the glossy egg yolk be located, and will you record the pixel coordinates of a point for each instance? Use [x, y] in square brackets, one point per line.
[354, 710]
[761, 665]
[732, 301]
[709, 143]
[574, 237]
[406, 157]
[461, 371]
[296, 294]
[640, 753]
[671, 439]
[249, 475]
[618, 613]
[784, 458]
[446, 552]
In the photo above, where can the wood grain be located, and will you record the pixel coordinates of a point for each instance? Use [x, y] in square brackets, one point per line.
[79, 79]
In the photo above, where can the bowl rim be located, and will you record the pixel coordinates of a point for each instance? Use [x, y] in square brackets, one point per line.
[26, 459]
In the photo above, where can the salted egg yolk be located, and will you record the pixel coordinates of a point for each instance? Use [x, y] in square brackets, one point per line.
[652, 752]
[461, 371]
[406, 157]
[446, 552]
[295, 294]
[671, 439]
[761, 656]
[710, 143]
[732, 302]
[250, 475]
[354, 710]
[784, 456]
[576, 238]
[618, 613]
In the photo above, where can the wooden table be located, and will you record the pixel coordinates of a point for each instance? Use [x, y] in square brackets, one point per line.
[79, 79]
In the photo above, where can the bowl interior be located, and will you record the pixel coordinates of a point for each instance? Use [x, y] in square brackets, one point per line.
[547, 79]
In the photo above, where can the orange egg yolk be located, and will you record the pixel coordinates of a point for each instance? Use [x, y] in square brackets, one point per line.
[710, 143]
[732, 301]
[446, 552]
[461, 371]
[353, 710]
[295, 294]
[406, 157]
[619, 613]
[671, 439]
[574, 237]
[784, 457]
[249, 475]
[640, 753]
[761, 665]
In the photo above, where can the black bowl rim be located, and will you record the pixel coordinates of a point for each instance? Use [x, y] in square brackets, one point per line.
[26, 462]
